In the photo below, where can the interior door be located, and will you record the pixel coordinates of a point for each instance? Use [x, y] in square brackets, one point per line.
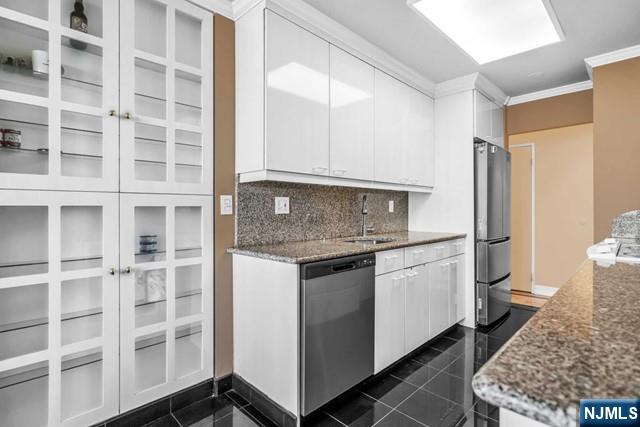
[58, 308]
[522, 208]
[166, 63]
[166, 295]
[60, 112]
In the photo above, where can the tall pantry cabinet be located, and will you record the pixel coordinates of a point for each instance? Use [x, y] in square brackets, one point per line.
[106, 207]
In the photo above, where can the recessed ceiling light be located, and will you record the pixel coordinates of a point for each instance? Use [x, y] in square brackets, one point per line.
[488, 30]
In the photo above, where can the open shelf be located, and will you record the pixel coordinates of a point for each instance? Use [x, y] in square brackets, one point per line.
[156, 98]
[40, 262]
[179, 296]
[157, 162]
[161, 141]
[64, 128]
[46, 151]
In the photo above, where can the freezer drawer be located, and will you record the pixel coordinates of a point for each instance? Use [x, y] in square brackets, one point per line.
[494, 301]
[493, 260]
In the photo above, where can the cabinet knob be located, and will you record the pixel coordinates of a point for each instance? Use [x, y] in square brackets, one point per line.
[112, 113]
[112, 271]
[126, 270]
[127, 116]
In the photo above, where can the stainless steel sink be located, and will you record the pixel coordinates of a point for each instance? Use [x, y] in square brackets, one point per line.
[370, 240]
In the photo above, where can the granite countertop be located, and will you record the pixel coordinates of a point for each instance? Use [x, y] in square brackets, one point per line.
[582, 344]
[317, 250]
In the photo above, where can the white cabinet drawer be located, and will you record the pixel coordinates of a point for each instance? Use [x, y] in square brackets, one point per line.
[438, 251]
[416, 255]
[389, 261]
[456, 247]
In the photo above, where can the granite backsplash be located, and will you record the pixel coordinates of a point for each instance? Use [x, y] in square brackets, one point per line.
[315, 212]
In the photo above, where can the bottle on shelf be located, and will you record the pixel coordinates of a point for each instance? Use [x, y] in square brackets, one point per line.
[78, 21]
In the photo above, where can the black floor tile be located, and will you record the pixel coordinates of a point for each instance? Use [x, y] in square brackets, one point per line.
[191, 395]
[397, 419]
[427, 355]
[166, 421]
[388, 389]
[438, 361]
[486, 409]
[256, 416]
[452, 388]
[432, 410]
[414, 372]
[321, 419]
[473, 419]
[205, 410]
[463, 367]
[143, 415]
[455, 348]
[361, 411]
[237, 399]
[512, 323]
[458, 332]
[236, 418]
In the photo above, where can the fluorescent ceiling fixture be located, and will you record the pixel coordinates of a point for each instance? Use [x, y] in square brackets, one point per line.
[488, 30]
[304, 82]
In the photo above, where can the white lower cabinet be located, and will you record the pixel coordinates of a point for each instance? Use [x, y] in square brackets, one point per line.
[418, 302]
[416, 321]
[389, 319]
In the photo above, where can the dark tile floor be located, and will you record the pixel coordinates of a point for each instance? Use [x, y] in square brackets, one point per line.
[431, 388]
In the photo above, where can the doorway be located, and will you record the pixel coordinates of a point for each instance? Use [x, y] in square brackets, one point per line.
[522, 217]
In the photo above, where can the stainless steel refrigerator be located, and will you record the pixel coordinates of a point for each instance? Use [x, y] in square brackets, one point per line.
[493, 231]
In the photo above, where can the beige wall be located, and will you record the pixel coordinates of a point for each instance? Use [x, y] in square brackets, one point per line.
[616, 113]
[521, 217]
[564, 199]
[224, 156]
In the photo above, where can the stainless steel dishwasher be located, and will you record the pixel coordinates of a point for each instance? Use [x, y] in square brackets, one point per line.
[337, 313]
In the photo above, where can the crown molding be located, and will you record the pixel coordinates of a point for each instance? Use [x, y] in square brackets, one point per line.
[221, 7]
[548, 93]
[471, 82]
[240, 7]
[610, 57]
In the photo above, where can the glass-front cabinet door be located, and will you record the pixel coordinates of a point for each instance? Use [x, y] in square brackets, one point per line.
[166, 287]
[59, 95]
[166, 97]
[58, 308]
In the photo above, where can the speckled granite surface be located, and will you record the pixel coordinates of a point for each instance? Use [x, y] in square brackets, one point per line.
[316, 212]
[627, 225]
[583, 343]
[317, 250]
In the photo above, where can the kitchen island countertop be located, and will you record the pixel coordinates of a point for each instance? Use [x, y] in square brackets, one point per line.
[583, 343]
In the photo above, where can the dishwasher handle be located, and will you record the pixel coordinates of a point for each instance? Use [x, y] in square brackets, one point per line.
[336, 266]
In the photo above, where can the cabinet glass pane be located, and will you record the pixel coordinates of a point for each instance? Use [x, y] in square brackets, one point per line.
[81, 235]
[81, 309]
[92, 11]
[188, 290]
[26, 150]
[24, 395]
[188, 157]
[24, 246]
[151, 297]
[150, 89]
[188, 349]
[150, 234]
[81, 379]
[188, 40]
[150, 361]
[150, 152]
[188, 229]
[188, 107]
[151, 14]
[82, 73]
[81, 145]
[35, 8]
[24, 315]
[18, 45]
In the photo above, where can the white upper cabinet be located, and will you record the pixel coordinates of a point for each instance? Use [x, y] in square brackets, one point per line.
[352, 116]
[391, 128]
[489, 120]
[419, 148]
[297, 98]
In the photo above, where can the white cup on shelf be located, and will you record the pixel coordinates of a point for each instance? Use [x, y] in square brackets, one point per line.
[40, 61]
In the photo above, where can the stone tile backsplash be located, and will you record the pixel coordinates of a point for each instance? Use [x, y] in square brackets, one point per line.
[315, 212]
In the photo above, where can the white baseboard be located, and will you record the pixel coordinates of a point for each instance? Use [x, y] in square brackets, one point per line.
[546, 291]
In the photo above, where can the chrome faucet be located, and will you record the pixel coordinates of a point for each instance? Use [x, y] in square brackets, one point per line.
[365, 212]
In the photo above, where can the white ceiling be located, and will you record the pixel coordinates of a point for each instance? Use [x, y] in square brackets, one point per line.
[591, 27]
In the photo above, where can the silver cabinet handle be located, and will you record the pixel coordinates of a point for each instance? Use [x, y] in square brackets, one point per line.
[339, 172]
[126, 270]
[112, 271]
[127, 116]
[112, 113]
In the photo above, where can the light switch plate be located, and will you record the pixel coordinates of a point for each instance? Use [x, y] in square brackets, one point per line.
[226, 205]
[391, 206]
[282, 205]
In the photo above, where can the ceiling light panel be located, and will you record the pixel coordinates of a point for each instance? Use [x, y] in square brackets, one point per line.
[489, 30]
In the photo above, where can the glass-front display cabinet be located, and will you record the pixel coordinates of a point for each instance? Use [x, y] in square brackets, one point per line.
[166, 294]
[58, 308]
[106, 96]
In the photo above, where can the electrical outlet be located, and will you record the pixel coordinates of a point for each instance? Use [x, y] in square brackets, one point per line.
[282, 205]
[391, 206]
[226, 205]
